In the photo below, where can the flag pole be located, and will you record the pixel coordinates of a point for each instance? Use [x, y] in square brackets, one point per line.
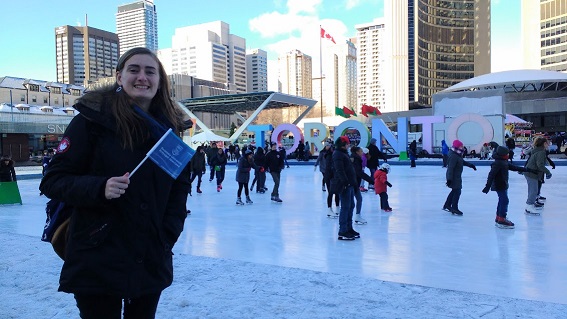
[321, 72]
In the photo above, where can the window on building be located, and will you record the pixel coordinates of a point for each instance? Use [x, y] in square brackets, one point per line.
[34, 98]
[22, 98]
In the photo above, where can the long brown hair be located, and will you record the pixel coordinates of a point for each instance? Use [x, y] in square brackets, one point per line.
[131, 127]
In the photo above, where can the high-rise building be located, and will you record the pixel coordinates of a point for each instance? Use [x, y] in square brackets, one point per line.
[411, 50]
[84, 54]
[257, 70]
[136, 25]
[453, 44]
[544, 25]
[208, 51]
[373, 71]
[338, 83]
[295, 72]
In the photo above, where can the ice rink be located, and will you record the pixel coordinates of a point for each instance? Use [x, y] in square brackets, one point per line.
[418, 243]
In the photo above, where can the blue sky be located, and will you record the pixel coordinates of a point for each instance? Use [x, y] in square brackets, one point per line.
[28, 45]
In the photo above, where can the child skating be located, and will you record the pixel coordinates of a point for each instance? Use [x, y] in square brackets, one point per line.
[498, 181]
[380, 183]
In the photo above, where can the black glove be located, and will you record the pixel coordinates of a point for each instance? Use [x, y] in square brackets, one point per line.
[486, 189]
[553, 166]
[548, 176]
[388, 183]
[449, 182]
[473, 167]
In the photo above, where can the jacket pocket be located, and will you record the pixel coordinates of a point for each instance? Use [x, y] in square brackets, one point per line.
[92, 236]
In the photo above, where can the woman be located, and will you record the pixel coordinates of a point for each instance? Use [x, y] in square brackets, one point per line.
[122, 230]
[454, 180]
[260, 171]
[198, 168]
[245, 165]
[7, 171]
[219, 164]
[536, 162]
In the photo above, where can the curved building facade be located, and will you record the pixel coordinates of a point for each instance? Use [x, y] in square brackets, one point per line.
[453, 44]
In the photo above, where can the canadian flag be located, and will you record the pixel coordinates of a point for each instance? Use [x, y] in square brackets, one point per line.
[325, 35]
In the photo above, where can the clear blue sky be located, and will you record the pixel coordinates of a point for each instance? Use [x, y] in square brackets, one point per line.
[28, 38]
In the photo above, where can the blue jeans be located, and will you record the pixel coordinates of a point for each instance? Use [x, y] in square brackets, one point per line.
[358, 197]
[347, 207]
[503, 201]
[452, 201]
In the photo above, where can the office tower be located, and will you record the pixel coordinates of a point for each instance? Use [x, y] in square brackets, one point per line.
[208, 51]
[544, 25]
[295, 73]
[257, 70]
[84, 54]
[373, 71]
[411, 50]
[453, 44]
[338, 85]
[136, 25]
[396, 21]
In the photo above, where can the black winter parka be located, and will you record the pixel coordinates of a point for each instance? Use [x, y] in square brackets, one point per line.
[121, 247]
[498, 176]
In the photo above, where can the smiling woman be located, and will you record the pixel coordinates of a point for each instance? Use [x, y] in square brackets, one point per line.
[121, 230]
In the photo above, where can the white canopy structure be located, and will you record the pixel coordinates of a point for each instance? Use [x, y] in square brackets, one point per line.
[208, 136]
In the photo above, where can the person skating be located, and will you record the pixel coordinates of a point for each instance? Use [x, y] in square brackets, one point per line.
[444, 152]
[453, 175]
[497, 181]
[211, 153]
[381, 185]
[536, 162]
[198, 168]
[343, 183]
[322, 163]
[275, 164]
[357, 160]
[245, 165]
[374, 154]
[327, 177]
[219, 166]
[413, 153]
[260, 171]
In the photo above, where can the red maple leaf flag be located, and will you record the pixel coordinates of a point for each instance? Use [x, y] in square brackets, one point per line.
[325, 35]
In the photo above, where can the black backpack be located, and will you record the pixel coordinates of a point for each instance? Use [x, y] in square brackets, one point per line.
[57, 225]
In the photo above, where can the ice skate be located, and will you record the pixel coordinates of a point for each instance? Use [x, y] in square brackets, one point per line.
[362, 189]
[331, 213]
[248, 200]
[531, 210]
[276, 199]
[504, 223]
[239, 201]
[538, 205]
[359, 220]
[218, 188]
[354, 233]
[387, 210]
[199, 190]
[346, 236]
[541, 199]
[456, 212]
[447, 209]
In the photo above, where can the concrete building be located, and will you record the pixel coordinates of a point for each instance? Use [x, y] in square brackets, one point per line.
[208, 51]
[136, 25]
[84, 54]
[295, 73]
[257, 70]
[453, 44]
[338, 86]
[544, 39]
[373, 72]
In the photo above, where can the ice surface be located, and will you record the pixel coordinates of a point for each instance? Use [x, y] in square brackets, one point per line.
[424, 251]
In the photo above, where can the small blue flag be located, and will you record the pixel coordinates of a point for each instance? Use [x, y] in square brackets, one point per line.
[171, 154]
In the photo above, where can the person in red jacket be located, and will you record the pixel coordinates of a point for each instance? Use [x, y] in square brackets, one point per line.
[380, 183]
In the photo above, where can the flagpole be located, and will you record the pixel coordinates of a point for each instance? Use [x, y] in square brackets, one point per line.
[321, 72]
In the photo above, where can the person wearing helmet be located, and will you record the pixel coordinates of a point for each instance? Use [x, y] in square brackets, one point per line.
[380, 183]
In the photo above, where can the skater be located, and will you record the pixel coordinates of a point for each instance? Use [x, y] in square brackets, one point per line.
[444, 152]
[343, 183]
[259, 172]
[118, 254]
[484, 151]
[364, 158]
[211, 153]
[357, 155]
[275, 164]
[374, 154]
[413, 152]
[454, 180]
[198, 168]
[245, 165]
[498, 181]
[283, 154]
[511, 145]
[45, 161]
[219, 165]
[322, 163]
[380, 183]
[536, 162]
[7, 171]
[328, 176]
